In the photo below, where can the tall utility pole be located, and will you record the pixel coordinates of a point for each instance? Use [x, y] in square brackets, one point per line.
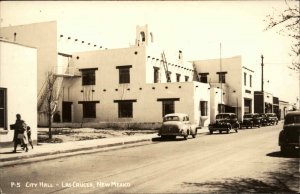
[221, 78]
[262, 73]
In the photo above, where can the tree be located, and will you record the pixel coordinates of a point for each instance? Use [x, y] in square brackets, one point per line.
[50, 98]
[289, 23]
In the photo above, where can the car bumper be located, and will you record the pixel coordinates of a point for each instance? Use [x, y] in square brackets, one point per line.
[171, 134]
[218, 128]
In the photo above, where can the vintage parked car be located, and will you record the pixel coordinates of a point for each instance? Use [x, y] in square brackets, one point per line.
[272, 118]
[264, 119]
[289, 136]
[177, 124]
[251, 120]
[224, 122]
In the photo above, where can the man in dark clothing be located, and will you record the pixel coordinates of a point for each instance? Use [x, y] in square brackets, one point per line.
[19, 137]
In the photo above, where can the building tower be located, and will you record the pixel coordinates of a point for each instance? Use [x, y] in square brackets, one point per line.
[143, 36]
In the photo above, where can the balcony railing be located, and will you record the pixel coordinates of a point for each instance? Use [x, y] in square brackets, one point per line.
[66, 71]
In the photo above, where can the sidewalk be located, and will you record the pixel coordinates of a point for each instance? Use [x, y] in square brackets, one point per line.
[47, 151]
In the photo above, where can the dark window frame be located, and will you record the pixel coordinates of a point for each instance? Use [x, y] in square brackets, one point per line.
[186, 78]
[203, 77]
[89, 109]
[3, 108]
[168, 105]
[222, 77]
[124, 74]
[169, 73]
[125, 108]
[204, 108]
[178, 75]
[156, 74]
[245, 79]
[88, 76]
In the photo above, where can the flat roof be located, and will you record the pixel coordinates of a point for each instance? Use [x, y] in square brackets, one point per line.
[11, 42]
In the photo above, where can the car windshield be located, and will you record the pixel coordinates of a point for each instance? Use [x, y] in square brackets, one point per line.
[171, 118]
[222, 117]
[247, 116]
[292, 119]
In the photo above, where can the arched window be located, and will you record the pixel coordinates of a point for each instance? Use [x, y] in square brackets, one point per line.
[151, 36]
[143, 36]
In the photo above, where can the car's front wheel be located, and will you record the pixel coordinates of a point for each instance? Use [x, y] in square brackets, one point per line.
[284, 149]
[194, 135]
[228, 129]
[186, 136]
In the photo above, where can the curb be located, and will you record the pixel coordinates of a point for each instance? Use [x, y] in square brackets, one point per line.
[58, 154]
[25, 159]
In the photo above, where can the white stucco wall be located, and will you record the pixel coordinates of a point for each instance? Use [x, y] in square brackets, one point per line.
[234, 87]
[107, 88]
[18, 74]
[42, 36]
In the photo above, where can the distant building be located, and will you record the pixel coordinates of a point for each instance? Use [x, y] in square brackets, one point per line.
[263, 102]
[284, 107]
[18, 94]
[231, 85]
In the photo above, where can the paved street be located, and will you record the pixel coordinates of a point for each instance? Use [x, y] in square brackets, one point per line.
[248, 161]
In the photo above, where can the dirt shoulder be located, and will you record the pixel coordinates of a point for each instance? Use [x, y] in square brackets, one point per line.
[80, 134]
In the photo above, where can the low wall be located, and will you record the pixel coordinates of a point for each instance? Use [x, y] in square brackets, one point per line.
[103, 125]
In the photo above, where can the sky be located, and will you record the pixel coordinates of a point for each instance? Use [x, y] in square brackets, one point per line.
[201, 29]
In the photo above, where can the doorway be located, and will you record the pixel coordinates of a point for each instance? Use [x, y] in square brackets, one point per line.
[67, 111]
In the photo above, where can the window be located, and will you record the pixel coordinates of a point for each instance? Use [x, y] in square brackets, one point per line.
[143, 37]
[168, 105]
[88, 76]
[124, 74]
[186, 78]
[203, 108]
[169, 76]
[245, 79]
[156, 74]
[247, 105]
[250, 80]
[3, 108]
[203, 77]
[222, 78]
[125, 108]
[88, 108]
[221, 108]
[178, 77]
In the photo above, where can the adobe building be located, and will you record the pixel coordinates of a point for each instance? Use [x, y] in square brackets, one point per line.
[18, 75]
[54, 49]
[138, 84]
[230, 85]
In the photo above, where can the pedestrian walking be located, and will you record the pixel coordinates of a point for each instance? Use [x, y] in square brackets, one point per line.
[28, 131]
[20, 137]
